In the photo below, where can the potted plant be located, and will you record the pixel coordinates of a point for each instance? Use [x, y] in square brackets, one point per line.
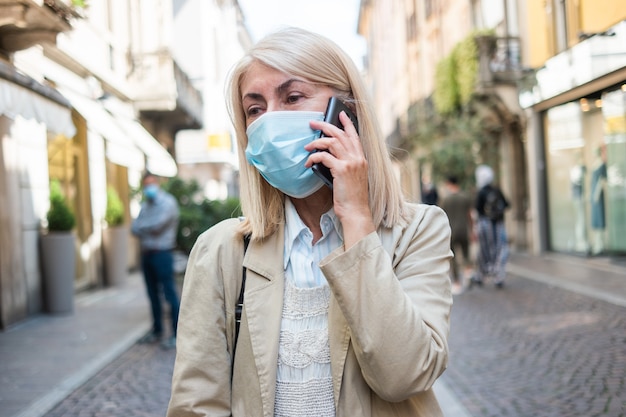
[58, 254]
[115, 240]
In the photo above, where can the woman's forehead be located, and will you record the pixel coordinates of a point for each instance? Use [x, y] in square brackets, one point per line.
[265, 80]
[261, 74]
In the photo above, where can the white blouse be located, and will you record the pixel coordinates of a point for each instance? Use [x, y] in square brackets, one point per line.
[304, 385]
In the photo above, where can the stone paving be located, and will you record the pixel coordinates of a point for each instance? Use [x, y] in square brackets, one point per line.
[536, 350]
[533, 349]
[137, 384]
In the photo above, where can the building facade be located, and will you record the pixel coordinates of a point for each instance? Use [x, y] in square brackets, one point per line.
[209, 155]
[557, 70]
[73, 109]
[576, 111]
[406, 41]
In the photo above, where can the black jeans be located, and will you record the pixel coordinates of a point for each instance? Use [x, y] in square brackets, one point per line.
[158, 272]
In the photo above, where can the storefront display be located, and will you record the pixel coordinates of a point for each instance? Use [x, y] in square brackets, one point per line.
[585, 144]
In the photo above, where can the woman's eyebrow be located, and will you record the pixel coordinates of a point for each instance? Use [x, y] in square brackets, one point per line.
[280, 89]
[285, 86]
[253, 96]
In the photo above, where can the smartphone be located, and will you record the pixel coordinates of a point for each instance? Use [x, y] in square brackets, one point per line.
[335, 106]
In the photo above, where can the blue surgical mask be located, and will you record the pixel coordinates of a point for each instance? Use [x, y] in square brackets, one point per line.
[276, 149]
[150, 191]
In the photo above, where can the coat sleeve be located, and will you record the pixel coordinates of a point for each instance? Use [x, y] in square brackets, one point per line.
[397, 307]
[202, 371]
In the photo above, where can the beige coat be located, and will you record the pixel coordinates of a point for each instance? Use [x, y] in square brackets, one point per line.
[388, 322]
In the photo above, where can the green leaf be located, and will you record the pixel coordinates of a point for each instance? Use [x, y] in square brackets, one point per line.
[60, 217]
[114, 214]
[197, 213]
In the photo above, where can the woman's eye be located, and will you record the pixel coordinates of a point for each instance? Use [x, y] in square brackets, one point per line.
[293, 98]
[253, 111]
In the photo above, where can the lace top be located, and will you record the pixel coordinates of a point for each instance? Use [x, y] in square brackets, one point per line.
[304, 380]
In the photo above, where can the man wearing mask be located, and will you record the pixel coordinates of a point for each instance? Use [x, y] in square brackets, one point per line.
[156, 227]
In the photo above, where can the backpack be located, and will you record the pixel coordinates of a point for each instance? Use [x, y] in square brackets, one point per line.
[494, 205]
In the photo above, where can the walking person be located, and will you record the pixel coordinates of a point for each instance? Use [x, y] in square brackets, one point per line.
[156, 227]
[458, 206]
[429, 192]
[493, 247]
[347, 298]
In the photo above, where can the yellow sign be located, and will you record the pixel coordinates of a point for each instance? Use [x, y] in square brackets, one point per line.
[219, 142]
[615, 124]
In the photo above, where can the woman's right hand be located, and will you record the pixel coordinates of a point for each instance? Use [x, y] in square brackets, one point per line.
[349, 168]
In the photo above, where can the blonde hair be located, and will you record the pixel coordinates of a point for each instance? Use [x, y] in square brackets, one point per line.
[304, 54]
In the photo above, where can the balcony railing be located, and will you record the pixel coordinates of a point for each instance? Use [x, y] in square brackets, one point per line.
[500, 59]
[163, 90]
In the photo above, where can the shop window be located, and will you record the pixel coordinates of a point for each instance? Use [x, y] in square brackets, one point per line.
[67, 163]
[614, 118]
[586, 174]
[566, 179]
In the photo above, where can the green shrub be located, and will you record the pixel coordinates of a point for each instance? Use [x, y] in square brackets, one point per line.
[114, 214]
[446, 94]
[466, 65]
[60, 217]
[456, 75]
[197, 213]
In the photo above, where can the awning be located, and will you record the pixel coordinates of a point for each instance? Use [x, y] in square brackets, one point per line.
[160, 161]
[16, 100]
[120, 148]
[127, 140]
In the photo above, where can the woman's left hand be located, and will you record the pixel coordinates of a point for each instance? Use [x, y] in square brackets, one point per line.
[349, 168]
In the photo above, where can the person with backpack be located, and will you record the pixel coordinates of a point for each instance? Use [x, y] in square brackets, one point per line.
[493, 249]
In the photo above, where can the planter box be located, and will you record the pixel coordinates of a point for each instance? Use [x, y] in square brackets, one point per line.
[115, 245]
[58, 257]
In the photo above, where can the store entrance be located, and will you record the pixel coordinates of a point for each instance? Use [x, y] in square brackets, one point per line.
[586, 174]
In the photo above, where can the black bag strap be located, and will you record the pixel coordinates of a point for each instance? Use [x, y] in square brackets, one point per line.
[239, 305]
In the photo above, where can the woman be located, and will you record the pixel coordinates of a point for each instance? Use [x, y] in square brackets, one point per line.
[347, 296]
[493, 249]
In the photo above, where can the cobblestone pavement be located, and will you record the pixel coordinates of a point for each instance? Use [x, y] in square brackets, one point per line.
[136, 384]
[536, 350]
[527, 350]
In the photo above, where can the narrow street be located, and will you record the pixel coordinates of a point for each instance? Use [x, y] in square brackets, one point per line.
[529, 350]
[535, 350]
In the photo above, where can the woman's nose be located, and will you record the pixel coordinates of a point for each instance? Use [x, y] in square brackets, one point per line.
[274, 106]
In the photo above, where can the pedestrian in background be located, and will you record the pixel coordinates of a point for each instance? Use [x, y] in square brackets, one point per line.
[493, 247]
[156, 227]
[429, 192]
[458, 206]
[347, 297]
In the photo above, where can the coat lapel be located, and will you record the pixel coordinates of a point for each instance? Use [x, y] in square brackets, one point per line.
[263, 302]
[339, 340]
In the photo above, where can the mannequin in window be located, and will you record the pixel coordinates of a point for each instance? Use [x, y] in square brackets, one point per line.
[598, 185]
[577, 180]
